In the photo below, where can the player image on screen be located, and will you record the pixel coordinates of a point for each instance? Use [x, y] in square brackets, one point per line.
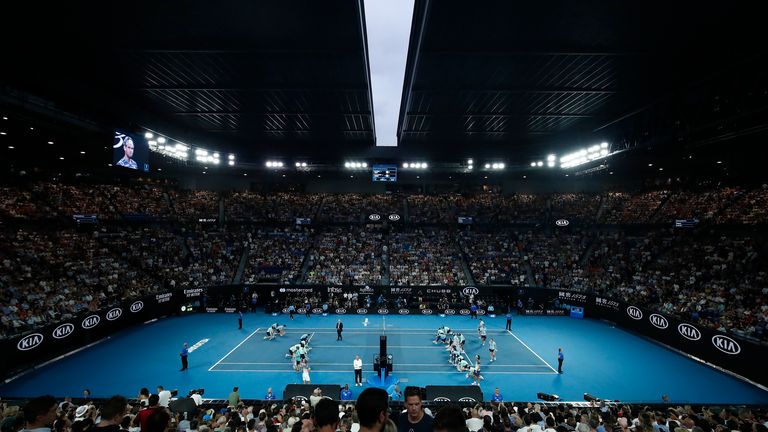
[129, 151]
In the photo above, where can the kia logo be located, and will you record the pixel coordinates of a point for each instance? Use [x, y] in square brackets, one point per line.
[658, 321]
[317, 310]
[562, 222]
[374, 217]
[362, 311]
[689, 332]
[301, 310]
[481, 311]
[450, 312]
[441, 399]
[30, 341]
[426, 311]
[467, 399]
[726, 344]
[299, 398]
[285, 310]
[464, 311]
[63, 331]
[394, 217]
[137, 306]
[282, 290]
[91, 322]
[383, 311]
[634, 313]
[403, 311]
[468, 291]
[114, 314]
[341, 311]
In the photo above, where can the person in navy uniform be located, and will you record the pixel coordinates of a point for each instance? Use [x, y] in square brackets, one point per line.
[239, 319]
[346, 393]
[269, 395]
[497, 397]
[560, 359]
[183, 354]
[473, 311]
[339, 329]
[509, 321]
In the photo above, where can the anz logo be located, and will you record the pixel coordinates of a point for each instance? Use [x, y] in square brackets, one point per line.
[137, 306]
[689, 332]
[635, 313]
[658, 321]
[114, 314]
[31, 341]
[726, 344]
[91, 322]
[63, 330]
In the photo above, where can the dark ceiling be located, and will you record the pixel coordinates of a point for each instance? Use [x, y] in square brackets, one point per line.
[522, 79]
[251, 77]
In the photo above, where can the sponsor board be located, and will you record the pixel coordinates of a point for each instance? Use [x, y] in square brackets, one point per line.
[63, 331]
[211, 309]
[481, 311]
[403, 311]
[137, 306]
[726, 344]
[426, 311]
[470, 291]
[374, 217]
[296, 290]
[450, 311]
[29, 341]
[441, 399]
[362, 311]
[365, 290]
[335, 290]
[163, 298]
[607, 303]
[91, 322]
[571, 296]
[285, 310]
[193, 292]
[545, 312]
[468, 399]
[301, 310]
[465, 311]
[394, 217]
[437, 291]
[562, 222]
[689, 332]
[383, 311]
[317, 310]
[401, 290]
[341, 311]
[230, 310]
[658, 321]
[114, 314]
[635, 313]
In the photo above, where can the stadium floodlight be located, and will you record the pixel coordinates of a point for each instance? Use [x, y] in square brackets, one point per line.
[231, 157]
[269, 164]
[551, 164]
[604, 145]
[424, 165]
[487, 166]
[551, 158]
[231, 163]
[215, 161]
[501, 165]
[365, 164]
[303, 164]
[533, 164]
[161, 140]
[470, 161]
[495, 166]
[346, 164]
[216, 155]
[298, 164]
[405, 165]
[149, 135]
[539, 164]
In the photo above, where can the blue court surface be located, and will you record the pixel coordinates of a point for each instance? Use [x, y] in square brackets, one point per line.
[602, 360]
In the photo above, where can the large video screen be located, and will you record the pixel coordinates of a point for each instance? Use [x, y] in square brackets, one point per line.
[130, 150]
[384, 173]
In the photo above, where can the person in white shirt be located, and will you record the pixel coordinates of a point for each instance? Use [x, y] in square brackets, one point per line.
[197, 398]
[357, 364]
[164, 395]
[475, 423]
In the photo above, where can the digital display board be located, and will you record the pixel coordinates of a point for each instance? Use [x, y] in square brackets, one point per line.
[384, 173]
[130, 151]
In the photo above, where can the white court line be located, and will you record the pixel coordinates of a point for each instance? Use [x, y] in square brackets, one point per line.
[534, 352]
[346, 371]
[433, 330]
[399, 364]
[376, 346]
[233, 349]
[367, 333]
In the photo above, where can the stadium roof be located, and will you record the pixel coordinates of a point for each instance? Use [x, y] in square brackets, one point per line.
[524, 79]
[252, 77]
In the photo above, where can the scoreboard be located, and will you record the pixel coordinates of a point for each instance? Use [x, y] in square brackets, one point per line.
[384, 173]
